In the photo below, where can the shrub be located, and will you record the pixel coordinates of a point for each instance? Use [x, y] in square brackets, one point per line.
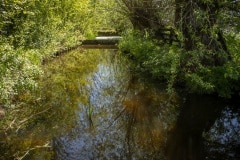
[161, 62]
[19, 69]
[198, 70]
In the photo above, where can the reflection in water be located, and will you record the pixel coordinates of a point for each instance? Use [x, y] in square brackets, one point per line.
[223, 139]
[123, 119]
[150, 113]
[98, 110]
[128, 118]
[185, 141]
[98, 133]
[198, 127]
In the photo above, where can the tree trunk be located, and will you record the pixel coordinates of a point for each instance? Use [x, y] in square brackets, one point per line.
[197, 22]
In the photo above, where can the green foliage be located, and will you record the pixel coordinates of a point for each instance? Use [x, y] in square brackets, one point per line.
[214, 80]
[45, 24]
[161, 62]
[202, 76]
[61, 87]
[49, 109]
[19, 70]
[108, 14]
[35, 29]
[30, 32]
[137, 46]
[196, 70]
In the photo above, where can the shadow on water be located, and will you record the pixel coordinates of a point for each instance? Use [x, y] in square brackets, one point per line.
[149, 114]
[109, 113]
[99, 110]
[128, 117]
[124, 118]
[203, 124]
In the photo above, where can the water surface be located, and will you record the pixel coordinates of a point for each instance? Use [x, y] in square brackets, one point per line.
[126, 116]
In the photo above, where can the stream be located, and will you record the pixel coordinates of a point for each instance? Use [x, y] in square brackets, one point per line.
[132, 117]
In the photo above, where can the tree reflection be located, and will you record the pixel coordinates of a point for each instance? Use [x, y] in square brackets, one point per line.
[223, 138]
[197, 129]
[149, 113]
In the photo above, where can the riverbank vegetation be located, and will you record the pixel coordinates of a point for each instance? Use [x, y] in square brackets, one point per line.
[31, 33]
[188, 44]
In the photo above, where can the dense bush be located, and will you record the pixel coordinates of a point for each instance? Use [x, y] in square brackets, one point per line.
[161, 61]
[19, 70]
[31, 31]
[195, 70]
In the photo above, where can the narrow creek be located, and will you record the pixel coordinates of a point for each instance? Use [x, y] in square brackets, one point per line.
[132, 117]
[125, 117]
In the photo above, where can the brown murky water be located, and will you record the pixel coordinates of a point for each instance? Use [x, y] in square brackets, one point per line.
[101, 110]
[129, 117]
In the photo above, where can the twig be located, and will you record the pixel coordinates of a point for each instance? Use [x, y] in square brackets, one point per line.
[31, 149]
[11, 124]
[116, 118]
[32, 116]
